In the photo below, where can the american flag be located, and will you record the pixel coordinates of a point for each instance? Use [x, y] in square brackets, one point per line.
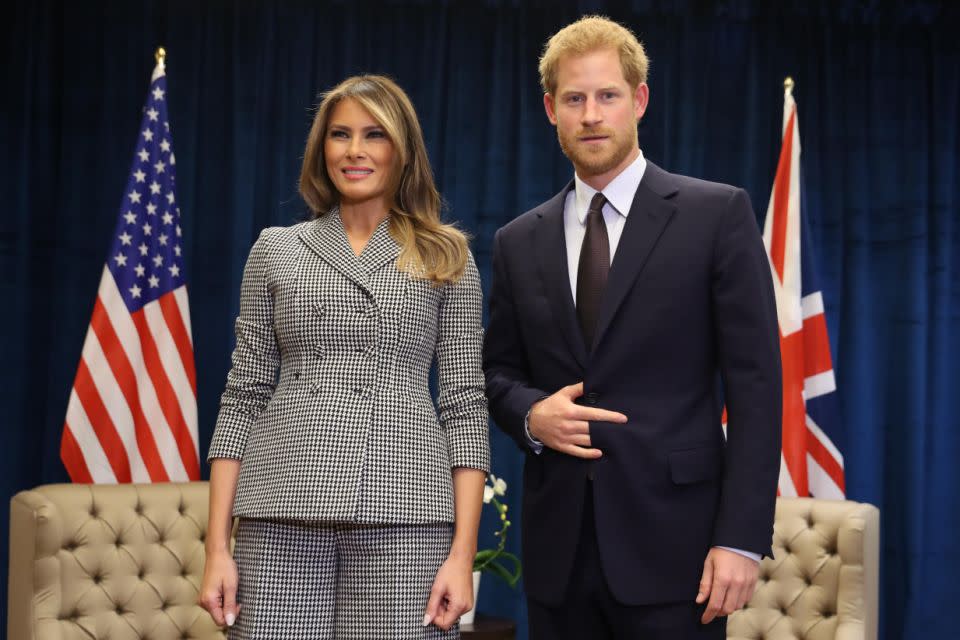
[811, 462]
[132, 413]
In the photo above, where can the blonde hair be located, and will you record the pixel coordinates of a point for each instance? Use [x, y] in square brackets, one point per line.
[591, 33]
[429, 249]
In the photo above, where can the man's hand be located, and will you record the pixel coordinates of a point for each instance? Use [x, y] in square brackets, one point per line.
[563, 426]
[728, 580]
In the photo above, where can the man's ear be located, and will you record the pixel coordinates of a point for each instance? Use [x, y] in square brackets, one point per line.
[641, 98]
[548, 106]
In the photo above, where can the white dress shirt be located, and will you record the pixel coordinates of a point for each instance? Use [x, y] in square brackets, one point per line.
[619, 194]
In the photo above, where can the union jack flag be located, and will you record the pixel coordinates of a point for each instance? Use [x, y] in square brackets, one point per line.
[811, 462]
[132, 412]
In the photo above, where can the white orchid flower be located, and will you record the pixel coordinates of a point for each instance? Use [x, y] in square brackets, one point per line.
[499, 486]
[487, 494]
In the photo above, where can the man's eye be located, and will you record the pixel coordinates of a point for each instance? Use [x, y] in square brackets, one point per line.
[574, 99]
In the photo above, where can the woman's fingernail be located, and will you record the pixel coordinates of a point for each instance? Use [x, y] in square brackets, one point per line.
[231, 619]
[426, 619]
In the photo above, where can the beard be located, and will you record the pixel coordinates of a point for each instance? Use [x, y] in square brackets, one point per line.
[592, 160]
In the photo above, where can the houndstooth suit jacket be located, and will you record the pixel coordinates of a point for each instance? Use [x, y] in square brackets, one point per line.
[327, 404]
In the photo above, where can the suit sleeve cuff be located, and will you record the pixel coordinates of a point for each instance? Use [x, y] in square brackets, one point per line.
[747, 554]
[535, 445]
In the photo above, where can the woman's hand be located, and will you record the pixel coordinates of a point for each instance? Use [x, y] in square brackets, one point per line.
[218, 591]
[452, 592]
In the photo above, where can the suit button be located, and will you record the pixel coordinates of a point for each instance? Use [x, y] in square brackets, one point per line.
[591, 398]
[590, 476]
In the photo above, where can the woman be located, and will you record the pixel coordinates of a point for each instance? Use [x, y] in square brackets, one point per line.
[358, 504]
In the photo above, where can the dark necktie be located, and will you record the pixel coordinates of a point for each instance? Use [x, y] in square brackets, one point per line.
[593, 270]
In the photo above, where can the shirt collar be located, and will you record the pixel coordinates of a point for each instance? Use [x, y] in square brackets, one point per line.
[619, 193]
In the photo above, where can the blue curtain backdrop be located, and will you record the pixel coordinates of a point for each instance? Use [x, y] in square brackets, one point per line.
[877, 87]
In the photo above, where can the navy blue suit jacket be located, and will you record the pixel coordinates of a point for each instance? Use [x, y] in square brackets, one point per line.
[689, 304]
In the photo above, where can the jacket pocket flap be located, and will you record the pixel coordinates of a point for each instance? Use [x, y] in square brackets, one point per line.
[688, 466]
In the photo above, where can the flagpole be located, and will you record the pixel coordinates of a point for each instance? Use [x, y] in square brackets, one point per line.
[787, 84]
[161, 56]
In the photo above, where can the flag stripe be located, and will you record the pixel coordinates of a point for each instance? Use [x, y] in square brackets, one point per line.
[816, 346]
[100, 422]
[794, 412]
[785, 486]
[812, 304]
[821, 484]
[818, 385]
[150, 402]
[93, 454]
[183, 306]
[127, 381]
[172, 365]
[781, 191]
[169, 306]
[827, 462]
[72, 457]
[113, 401]
[826, 443]
[169, 403]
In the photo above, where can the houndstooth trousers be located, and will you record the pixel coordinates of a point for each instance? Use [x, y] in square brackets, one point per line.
[343, 581]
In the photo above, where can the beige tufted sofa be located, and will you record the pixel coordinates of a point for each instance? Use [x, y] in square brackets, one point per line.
[124, 561]
[108, 561]
[823, 581]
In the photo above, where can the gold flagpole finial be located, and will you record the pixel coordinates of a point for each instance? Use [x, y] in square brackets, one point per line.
[161, 56]
[788, 84]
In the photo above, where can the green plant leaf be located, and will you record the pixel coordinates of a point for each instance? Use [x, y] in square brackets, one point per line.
[486, 554]
[498, 569]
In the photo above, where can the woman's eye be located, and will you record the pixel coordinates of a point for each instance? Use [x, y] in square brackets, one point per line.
[376, 133]
[338, 134]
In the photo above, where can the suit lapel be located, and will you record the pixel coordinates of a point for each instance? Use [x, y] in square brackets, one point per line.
[551, 255]
[649, 215]
[327, 238]
[381, 249]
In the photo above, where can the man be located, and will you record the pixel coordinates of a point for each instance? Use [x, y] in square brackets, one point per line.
[616, 310]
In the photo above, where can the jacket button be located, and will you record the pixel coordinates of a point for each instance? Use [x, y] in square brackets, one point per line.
[590, 476]
[591, 398]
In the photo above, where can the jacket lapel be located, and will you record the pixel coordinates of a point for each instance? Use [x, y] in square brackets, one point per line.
[327, 238]
[381, 249]
[649, 215]
[551, 255]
